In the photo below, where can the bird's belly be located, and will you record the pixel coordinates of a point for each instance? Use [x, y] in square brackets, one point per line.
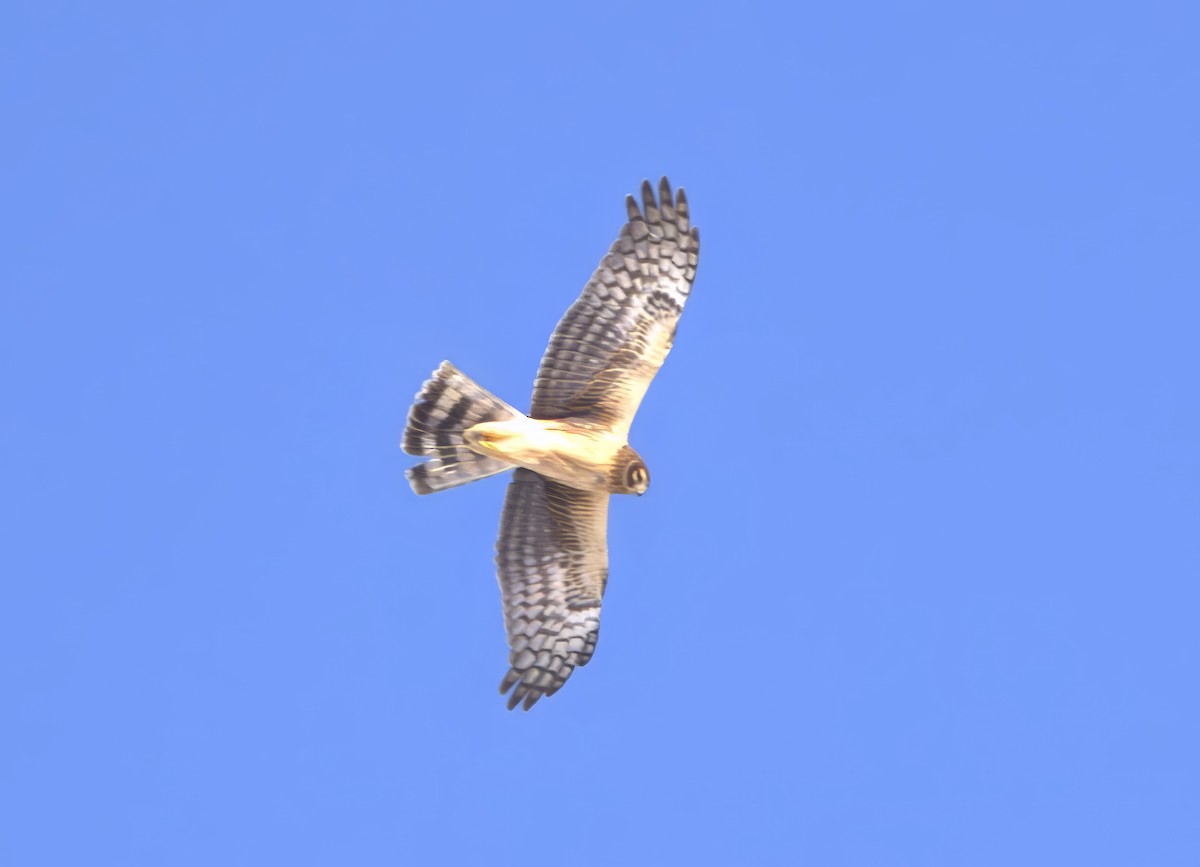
[555, 449]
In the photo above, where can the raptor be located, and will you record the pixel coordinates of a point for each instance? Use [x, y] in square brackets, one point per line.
[571, 452]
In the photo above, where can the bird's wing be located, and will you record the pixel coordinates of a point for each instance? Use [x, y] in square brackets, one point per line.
[614, 338]
[552, 564]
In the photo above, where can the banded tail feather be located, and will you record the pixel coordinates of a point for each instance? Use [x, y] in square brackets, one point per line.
[448, 404]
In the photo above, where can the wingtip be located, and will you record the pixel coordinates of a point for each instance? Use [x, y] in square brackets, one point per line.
[649, 203]
[522, 694]
[664, 198]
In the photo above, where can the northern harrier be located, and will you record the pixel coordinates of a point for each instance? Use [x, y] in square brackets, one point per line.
[571, 451]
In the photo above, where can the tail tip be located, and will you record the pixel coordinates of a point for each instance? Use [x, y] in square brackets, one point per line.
[418, 479]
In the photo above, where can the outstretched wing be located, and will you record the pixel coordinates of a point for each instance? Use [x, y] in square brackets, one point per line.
[614, 338]
[552, 563]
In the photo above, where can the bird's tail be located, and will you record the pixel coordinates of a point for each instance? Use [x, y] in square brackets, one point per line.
[447, 405]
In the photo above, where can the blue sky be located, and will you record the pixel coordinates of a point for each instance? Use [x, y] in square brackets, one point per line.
[916, 581]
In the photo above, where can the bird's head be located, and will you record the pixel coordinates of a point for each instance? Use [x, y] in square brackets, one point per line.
[629, 473]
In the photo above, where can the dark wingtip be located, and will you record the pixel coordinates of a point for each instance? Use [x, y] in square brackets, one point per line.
[631, 208]
[510, 680]
[648, 201]
[522, 694]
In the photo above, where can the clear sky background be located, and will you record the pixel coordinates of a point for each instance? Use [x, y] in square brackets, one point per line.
[916, 580]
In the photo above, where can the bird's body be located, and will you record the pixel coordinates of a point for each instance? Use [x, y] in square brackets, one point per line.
[571, 452]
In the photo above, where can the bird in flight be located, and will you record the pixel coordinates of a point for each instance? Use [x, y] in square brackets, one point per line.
[572, 451]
